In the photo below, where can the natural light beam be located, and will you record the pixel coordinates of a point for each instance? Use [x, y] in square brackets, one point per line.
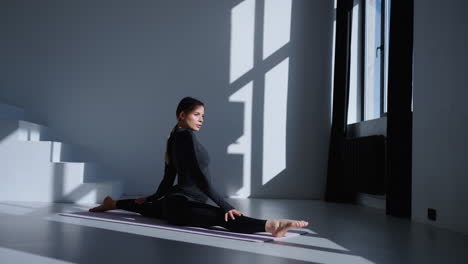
[319, 242]
[243, 144]
[274, 121]
[309, 254]
[242, 39]
[277, 25]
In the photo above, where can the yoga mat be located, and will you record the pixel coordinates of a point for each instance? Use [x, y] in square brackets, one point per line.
[125, 217]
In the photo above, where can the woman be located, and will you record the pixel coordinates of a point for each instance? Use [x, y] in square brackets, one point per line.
[185, 202]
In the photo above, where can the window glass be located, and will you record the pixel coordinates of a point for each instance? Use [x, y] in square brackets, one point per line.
[354, 71]
[373, 59]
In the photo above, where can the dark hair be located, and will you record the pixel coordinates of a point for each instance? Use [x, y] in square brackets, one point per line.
[186, 105]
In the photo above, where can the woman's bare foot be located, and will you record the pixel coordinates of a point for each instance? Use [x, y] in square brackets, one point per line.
[279, 227]
[107, 204]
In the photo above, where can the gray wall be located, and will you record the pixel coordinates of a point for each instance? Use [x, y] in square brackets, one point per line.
[107, 75]
[440, 114]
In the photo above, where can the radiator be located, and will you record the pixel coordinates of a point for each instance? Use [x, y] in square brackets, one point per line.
[365, 163]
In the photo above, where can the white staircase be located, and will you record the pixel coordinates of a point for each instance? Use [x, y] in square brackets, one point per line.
[33, 167]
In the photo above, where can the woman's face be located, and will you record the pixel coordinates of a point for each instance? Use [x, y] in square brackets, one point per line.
[194, 119]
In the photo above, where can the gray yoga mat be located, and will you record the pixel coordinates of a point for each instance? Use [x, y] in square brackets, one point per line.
[125, 217]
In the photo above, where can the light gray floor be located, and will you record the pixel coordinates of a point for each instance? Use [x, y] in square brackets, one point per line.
[34, 233]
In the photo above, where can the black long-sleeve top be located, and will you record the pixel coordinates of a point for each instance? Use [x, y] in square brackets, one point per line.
[189, 160]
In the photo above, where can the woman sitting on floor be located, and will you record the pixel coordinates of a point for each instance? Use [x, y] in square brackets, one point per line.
[185, 202]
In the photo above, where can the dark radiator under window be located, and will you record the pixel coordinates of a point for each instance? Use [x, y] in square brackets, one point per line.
[365, 164]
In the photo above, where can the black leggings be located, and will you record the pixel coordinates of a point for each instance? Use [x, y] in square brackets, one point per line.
[178, 210]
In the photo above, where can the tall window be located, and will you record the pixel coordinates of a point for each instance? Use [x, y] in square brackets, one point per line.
[369, 60]
[368, 83]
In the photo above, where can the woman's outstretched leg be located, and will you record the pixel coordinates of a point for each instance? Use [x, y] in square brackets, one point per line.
[180, 211]
[147, 208]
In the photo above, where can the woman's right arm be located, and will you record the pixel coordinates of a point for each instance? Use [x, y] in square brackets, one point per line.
[189, 165]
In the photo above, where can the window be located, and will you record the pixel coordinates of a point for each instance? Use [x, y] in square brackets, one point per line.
[369, 60]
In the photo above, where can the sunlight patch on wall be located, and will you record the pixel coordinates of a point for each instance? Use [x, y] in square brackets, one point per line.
[277, 25]
[274, 121]
[243, 144]
[276, 34]
[242, 39]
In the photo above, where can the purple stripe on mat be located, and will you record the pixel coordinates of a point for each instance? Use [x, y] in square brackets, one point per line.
[156, 223]
[125, 217]
[291, 232]
[227, 232]
[265, 235]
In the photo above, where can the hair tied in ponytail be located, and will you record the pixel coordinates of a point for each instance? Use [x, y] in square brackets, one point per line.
[167, 145]
[186, 105]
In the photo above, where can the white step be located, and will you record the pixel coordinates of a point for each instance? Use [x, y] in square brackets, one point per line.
[35, 168]
[11, 112]
[27, 178]
[24, 180]
[43, 150]
[14, 130]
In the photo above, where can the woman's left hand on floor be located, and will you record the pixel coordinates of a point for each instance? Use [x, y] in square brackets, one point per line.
[231, 213]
